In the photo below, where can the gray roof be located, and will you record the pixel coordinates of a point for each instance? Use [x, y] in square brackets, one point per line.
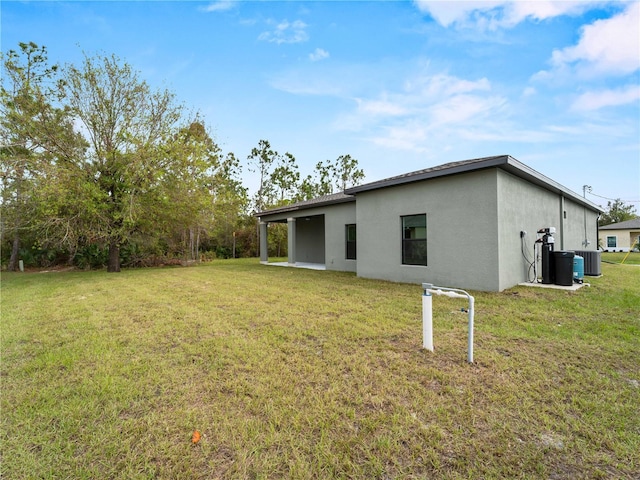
[431, 172]
[314, 202]
[633, 224]
[505, 162]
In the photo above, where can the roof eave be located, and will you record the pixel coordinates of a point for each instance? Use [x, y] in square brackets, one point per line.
[296, 207]
[523, 171]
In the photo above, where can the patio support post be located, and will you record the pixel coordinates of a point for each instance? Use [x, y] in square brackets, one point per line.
[264, 255]
[291, 241]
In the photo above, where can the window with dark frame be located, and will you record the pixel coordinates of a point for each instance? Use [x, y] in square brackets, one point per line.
[414, 239]
[350, 233]
[612, 242]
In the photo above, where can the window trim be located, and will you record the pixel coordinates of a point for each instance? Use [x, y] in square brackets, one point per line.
[615, 238]
[407, 241]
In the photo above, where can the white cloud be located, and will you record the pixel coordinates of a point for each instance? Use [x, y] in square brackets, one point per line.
[411, 136]
[286, 32]
[434, 86]
[606, 98]
[607, 46]
[220, 6]
[438, 97]
[318, 54]
[566, 129]
[449, 13]
[411, 115]
[331, 79]
[462, 108]
[491, 15]
[427, 107]
[301, 83]
[381, 107]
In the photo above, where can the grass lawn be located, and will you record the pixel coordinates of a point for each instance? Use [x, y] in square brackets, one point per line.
[302, 374]
[632, 258]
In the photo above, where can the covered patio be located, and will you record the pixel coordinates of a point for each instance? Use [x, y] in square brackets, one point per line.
[305, 242]
[315, 234]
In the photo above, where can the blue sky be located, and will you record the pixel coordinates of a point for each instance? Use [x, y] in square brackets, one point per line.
[400, 86]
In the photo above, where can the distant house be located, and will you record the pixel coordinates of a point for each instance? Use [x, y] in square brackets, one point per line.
[469, 224]
[621, 236]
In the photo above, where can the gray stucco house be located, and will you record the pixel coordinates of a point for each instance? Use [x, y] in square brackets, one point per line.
[469, 224]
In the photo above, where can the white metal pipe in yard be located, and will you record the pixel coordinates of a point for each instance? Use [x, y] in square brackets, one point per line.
[427, 314]
[470, 347]
[427, 321]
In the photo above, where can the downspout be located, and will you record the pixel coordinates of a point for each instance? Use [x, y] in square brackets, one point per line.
[562, 213]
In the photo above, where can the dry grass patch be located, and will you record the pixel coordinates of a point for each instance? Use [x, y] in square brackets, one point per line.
[304, 374]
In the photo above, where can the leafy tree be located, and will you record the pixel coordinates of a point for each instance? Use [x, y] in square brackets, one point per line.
[261, 161]
[35, 136]
[330, 177]
[279, 177]
[306, 189]
[230, 203]
[347, 173]
[324, 173]
[137, 163]
[285, 178]
[135, 178]
[181, 199]
[617, 212]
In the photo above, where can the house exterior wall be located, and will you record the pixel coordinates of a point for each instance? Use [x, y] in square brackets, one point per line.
[335, 221]
[625, 239]
[523, 206]
[474, 220]
[461, 231]
[581, 225]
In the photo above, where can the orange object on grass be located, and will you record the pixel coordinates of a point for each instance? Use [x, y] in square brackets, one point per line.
[196, 437]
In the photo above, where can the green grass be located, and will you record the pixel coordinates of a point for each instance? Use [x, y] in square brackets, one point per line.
[632, 258]
[292, 373]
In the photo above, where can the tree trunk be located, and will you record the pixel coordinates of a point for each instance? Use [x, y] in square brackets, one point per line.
[198, 245]
[72, 253]
[15, 250]
[192, 248]
[114, 257]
